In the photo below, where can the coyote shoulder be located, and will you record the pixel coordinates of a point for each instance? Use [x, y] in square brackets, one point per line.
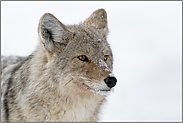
[65, 78]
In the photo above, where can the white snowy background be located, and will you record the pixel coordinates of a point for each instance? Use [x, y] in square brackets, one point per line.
[146, 40]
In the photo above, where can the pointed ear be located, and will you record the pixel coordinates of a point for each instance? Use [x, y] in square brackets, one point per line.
[97, 19]
[52, 33]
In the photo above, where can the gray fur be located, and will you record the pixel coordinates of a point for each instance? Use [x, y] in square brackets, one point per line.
[53, 84]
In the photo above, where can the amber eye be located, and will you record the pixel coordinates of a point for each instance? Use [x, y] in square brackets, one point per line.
[105, 57]
[83, 58]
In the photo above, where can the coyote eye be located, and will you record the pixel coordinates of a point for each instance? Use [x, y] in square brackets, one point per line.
[83, 58]
[105, 57]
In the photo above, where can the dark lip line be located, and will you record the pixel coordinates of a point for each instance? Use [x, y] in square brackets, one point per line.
[104, 90]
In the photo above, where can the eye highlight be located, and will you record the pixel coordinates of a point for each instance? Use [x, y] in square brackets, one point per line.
[105, 57]
[83, 58]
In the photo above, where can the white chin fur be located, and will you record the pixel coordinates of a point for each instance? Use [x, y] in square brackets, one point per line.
[102, 92]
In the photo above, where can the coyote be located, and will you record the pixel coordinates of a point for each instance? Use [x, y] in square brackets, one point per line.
[65, 79]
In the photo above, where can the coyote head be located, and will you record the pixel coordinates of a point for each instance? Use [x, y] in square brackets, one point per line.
[80, 53]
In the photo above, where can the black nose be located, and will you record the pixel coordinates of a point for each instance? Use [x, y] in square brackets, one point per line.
[110, 81]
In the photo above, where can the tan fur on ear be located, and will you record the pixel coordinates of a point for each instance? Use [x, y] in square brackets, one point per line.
[97, 19]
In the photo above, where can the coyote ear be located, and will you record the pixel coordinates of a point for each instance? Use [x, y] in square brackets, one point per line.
[97, 19]
[52, 33]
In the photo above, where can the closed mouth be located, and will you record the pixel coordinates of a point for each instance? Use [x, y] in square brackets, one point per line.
[101, 92]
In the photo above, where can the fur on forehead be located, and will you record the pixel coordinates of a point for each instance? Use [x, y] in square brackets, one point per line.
[87, 37]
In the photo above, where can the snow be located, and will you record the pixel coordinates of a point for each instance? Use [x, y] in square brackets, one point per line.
[103, 64]
[111, 74]
[145, 38]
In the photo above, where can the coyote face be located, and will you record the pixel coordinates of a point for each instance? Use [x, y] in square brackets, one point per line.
[80, 51]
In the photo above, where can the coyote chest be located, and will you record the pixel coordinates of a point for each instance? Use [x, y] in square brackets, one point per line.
[78, 110]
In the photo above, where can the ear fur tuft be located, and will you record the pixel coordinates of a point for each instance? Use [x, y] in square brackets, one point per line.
[52, 32]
